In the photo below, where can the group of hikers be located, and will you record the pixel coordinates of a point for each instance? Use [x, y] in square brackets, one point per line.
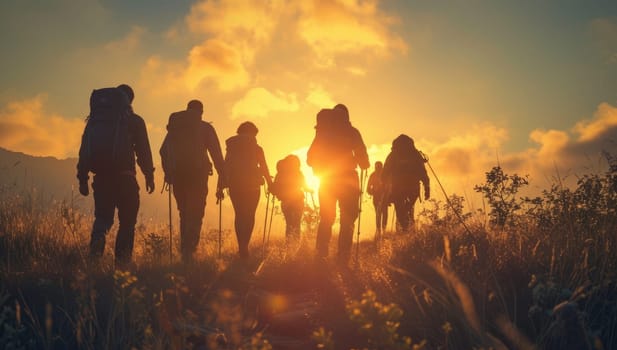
[115, 138]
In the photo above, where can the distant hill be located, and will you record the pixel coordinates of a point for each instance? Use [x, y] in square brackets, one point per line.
[55, 179]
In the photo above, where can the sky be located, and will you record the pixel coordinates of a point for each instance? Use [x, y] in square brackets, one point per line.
[528, 85]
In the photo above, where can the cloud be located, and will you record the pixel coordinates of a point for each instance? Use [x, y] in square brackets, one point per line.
[236, 31]
[130, 42]
[236, 43]
[551, 142]
[25, 126]
[347, 27]
[259, 103]
[162, 77]
[604, 119]
[319, 97]
[218, 61]
[235, 21]
[462, 155]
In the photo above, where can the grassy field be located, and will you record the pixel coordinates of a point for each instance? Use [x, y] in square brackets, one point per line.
[527, 273]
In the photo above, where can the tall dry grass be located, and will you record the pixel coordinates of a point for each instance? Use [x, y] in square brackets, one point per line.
[540, 277]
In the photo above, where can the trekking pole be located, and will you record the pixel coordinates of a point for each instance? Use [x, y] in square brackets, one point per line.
[445, 194]
[271, 215]
[220, 202]
[362, 178]
[263, 244]
[169, 189]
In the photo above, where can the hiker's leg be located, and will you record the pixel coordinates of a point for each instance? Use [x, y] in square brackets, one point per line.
[377, 215]
[406, 213]
[104, 210]
[287, 214]
[412, 220]
[296, 218]
[245, 203]
[327, 214]
[384, 217]
[197, 191]
[128, 207]
[181, 194]
[349, 201]
[402, 216]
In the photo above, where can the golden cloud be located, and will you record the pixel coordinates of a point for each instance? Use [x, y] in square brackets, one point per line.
[218, 61]
[237, 34]
[318, 96]
[333, 28]
[259, 103]
[235, 21]
[605, 118]
[162, 77]
[26, 127]
[551, 142]
[129, 43]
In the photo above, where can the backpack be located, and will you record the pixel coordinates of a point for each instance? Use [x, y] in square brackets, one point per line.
[406, 162]
[186, 148]
[108, 145]
[289, 181]
[241, 162]
[332, 148]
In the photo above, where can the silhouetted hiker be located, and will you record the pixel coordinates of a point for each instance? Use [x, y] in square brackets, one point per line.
[289, 186]
[245, 171]
[334, 154]
[402, 173]
[185, 161]
[113, 136]
[376, 188]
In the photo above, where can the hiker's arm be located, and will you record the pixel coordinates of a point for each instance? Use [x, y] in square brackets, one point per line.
[314, 154]
[83, 164]
[371, 184]
[359, 151]
[164, 153]
[263, 166]
[425, 182]
[142, 149]
[214, 148]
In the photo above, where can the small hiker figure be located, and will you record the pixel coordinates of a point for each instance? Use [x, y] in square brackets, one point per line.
[114, 135]
[289, 186]
[402, 173]
[376, 189]
[245, 171]
[335, 153]
[184, 157]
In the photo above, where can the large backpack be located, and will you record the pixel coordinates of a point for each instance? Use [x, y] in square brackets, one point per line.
[108, 146]
[186, 148]
[242, 162]
[407, 164]
[332, 148]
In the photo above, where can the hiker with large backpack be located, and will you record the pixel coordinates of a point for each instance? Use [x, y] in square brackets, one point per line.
[185, 161]
[402, 173]
[114, 135]
[289, 187]
[245, 171]
[335, 153]
[376, 189]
